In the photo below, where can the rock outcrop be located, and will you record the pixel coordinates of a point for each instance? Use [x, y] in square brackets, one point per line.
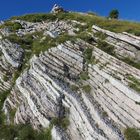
[101, 114]
[57, 9]
[125, 45]
[99, 106]
[11, 57]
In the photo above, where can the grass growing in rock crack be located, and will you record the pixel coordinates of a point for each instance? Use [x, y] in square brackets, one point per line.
[131, 62]
[63, 123]
[106, 47]
[134, 83]
[86, 88]
[74, 88]
[89, 58]
[3, 96]
[132, 134]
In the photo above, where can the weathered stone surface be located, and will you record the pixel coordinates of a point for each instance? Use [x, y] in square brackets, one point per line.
[44, 90]
[51, 28]
[12, 52]
[126, 45]
[11, 56]
[101, 114]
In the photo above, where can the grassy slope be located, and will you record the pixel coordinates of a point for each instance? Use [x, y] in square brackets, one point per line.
[112, 25]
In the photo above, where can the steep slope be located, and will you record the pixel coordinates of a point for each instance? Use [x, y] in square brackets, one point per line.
[83, 83]
[10, 60]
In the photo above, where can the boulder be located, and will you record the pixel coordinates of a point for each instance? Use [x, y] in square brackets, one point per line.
[57, 9]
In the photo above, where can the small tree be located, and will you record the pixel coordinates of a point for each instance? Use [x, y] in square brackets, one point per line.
[114, 14]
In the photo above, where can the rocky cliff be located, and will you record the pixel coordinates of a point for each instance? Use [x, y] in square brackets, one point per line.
[86, 85]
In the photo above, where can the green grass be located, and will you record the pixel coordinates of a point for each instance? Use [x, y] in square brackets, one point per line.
[86, 88]
[134, 84]
[84, 76]
[11, 26]
[100, 35]
[132, 134]
[23, 132]
[5, 78]
[74, 88]
[106, 47]
[63, 123]
[88, 55]
[131, 62]
[90, 19]
[35, 17]
[3, 96]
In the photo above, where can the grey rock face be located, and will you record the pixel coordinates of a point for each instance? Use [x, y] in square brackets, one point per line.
[51, 28]
[101, 114]
[44, 90]
[126, 45]
[12, 52]
[11, 56]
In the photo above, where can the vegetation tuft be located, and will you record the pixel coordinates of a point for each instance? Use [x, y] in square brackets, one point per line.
[23, 132]
[132, 134]
[90, 19]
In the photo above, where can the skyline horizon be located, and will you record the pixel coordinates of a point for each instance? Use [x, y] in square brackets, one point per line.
[100, 7]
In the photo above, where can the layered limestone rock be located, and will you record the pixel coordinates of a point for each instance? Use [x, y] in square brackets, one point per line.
[11, 56]
[126, 45]
[101, 114]
[51, 87]
[51, 28]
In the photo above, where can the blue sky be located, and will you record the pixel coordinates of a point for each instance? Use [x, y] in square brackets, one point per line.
[129, 9]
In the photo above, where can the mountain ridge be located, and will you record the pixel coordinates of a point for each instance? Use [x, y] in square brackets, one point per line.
[65, 73]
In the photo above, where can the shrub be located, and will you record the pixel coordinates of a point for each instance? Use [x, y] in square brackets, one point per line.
[114, 14]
